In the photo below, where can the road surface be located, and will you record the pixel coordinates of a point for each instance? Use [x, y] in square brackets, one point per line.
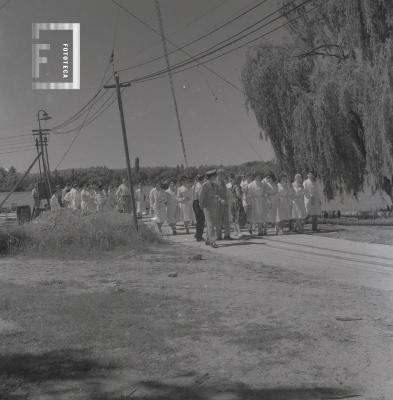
[363, 264]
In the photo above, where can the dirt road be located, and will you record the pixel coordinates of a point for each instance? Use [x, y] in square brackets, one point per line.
[183, 323]
[346, 261]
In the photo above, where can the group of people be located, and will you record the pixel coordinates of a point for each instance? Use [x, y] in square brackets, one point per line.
[86, 198]
[218, 201]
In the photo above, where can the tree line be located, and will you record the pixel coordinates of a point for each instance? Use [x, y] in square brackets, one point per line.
[103, 176]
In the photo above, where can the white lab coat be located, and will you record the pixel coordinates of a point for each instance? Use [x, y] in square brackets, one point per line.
[312, 197]
[184, 196]
[76, 199]
[257, 201]
[298, 207]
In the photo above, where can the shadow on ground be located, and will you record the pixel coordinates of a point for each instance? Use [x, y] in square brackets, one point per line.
[21, 371]
[83, 378]
[153, 390]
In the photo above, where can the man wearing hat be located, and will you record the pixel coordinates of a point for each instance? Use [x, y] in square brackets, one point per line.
[199, 215]
[209, 199]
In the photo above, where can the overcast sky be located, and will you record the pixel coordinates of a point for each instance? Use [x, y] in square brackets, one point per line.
[215, 130]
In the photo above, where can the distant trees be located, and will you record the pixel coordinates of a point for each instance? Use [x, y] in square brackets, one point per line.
[103, 176]
[326, 100]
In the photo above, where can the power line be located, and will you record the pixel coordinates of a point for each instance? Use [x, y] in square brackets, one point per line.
[20, 150]
[15, 137]
[204, 54]
[83, 123]
[97, 114]
[94, 99]
[14, 146]
[207, 12]
[196, 39]
[173, 44]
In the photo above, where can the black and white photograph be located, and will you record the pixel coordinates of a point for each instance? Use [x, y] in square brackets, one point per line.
[196, 199]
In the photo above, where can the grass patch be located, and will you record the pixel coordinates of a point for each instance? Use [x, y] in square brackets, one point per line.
[67, 232]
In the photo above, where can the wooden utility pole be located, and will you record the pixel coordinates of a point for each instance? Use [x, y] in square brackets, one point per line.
[39, 161]
[125, 141]
[40, 133]
[158, 9]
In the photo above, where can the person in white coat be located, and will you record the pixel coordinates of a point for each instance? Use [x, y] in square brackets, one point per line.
[256, 199]
[299, 212]
[85, 197]
[123, 196]
[159, 201]
[247, 207]
[272, 200]
[172, 206]
[139, 200]
[312, 199]
[54, 203]
[75, 198]
[184, 197]
[152, 193]
[284, 206]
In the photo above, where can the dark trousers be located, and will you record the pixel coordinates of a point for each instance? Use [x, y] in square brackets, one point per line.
[200, 219]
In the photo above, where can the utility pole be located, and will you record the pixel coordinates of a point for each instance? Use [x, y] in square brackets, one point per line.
[47, 162]
[125, 141]
[42, 115]
[39, 160]
[158, 9]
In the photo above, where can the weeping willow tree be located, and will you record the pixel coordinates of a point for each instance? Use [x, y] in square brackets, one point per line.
[325, 101]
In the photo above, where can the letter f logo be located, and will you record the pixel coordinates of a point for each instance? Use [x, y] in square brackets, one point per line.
[37, 60]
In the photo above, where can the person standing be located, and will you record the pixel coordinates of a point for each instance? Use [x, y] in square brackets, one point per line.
[184, 197]
[172, 206]
[312, 199]
[272, 200]
[298, 208]
[229, 184]
[152, 193]
[54, 203]
[237, 210]
[123, 196]
[75, 197]
[85, 196]
[66, 189]
[37, 201]
[208, 200]
[159, 201]
[110, 199]
[139, 200]
[256, 198]
[284, 200]
[199, 215]
[100, 198]
[245, 183]
[223, 209]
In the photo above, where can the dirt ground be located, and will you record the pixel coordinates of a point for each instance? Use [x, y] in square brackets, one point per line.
[121, 326]
[369, 234]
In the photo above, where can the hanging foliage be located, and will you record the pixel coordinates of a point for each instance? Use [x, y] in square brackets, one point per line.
[326, 100]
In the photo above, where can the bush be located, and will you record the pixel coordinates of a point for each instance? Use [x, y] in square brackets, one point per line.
[67, 232]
